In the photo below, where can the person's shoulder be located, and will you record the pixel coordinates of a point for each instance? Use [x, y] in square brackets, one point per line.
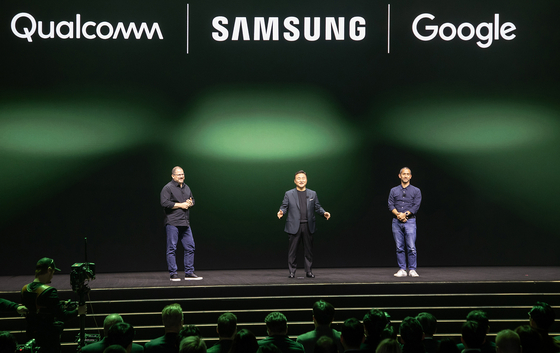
[306, 336]
[414, 187]
[137, 348]
[95, 347]
[154, 342]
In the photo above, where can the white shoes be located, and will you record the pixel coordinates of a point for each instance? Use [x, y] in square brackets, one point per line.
[411, 273]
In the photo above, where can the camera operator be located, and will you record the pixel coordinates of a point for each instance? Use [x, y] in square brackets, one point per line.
[45, 308]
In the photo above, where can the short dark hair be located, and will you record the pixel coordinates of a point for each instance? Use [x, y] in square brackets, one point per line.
[473, 334]
[479, 316]
[543, 315]
[325, 344]
[192, 344]
[375, 321]
[172, 315]
[187, 331]
[531, 339]
[227, 324]
[276, 322]
[428, 322]
[300, 172]
[323, 312]
[403, 168]
[121, 333]
[353, 332]
[244, 341]
[411, 331]
[8, 343]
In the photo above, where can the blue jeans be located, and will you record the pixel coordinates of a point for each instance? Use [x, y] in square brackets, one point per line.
[405, 234]
[183, 233]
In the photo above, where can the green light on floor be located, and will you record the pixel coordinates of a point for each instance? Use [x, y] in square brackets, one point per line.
[264, 125]
[70, 128]
[470, 126]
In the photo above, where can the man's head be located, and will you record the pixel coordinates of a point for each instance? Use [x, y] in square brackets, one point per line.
[375, 321]
[172, 317]
[411, 331]
[405, 174]
[323, 313]
[428, 322]
[192, 344]
[227, 326]
[300, 180]
[352, 334]
[531, 339]
[473, 334]
[121, 334]
[507, 341]
[109, 321]
[541, 316]
[178, 175]
[276, 324]
[481, 318]
[45, 268]
[325, 344]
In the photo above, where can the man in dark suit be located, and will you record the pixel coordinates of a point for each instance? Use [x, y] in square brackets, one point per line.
[300, 204]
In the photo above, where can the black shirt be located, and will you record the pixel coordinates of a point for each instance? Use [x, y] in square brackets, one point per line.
[170, 195]
[302, 195]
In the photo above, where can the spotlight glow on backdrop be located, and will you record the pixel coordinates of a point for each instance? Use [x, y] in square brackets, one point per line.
[471, 126]
[265, 125]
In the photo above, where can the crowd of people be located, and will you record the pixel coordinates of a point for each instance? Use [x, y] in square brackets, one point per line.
[374, 333]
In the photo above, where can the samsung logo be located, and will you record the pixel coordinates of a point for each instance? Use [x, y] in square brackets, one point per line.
[289, 29]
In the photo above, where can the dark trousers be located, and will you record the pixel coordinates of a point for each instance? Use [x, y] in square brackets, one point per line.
[304, 236]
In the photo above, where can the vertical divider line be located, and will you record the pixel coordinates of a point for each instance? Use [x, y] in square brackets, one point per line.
[388, 28]
[187, 28]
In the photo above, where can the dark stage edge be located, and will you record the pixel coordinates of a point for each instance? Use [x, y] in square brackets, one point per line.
[324, 276]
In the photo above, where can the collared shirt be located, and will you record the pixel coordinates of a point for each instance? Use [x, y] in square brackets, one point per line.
[405, 199]
[170, 195]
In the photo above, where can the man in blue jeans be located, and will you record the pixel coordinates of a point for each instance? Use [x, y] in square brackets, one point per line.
[404, 202]
[176, 198]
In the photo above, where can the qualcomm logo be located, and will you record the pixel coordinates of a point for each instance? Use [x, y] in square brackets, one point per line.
[26, 26]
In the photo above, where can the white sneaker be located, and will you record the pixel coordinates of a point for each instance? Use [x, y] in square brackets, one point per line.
[401, 273]
[413, 273]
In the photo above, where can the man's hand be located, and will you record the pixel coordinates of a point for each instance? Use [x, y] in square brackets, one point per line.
[22, 310]
[327, 215]
[280, 214]
[82, 309]
[189, 203]
[401, 217]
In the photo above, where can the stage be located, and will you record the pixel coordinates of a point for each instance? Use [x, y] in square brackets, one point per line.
[323, 276]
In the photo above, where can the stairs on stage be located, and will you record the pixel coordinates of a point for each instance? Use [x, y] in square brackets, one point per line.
[506, 303]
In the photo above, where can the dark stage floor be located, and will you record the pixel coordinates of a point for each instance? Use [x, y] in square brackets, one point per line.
[323, 276]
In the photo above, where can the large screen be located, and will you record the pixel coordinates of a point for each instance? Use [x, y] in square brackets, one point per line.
[101, 99]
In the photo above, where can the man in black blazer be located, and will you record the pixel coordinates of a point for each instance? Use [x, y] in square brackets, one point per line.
[301, 204]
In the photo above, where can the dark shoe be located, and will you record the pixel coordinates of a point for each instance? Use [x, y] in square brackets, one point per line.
[174, 278]
[310, 274]
[292, 275]
[191, 277]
